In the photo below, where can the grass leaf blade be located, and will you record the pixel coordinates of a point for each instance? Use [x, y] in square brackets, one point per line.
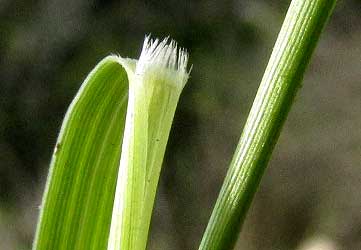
[77, 204]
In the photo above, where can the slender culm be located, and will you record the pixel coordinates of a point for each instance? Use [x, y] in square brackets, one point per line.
[296, 41]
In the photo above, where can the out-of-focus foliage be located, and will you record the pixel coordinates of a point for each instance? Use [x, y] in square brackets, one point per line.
[311, 187]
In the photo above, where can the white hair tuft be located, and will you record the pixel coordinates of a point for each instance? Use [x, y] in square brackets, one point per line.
[162, 53]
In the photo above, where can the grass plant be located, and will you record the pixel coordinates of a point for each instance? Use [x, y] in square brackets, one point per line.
[107, 160]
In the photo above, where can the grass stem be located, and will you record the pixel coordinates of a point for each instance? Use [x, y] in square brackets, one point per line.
[296, 41]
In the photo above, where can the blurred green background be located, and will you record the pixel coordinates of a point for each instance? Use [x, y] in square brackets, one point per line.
[310, 196]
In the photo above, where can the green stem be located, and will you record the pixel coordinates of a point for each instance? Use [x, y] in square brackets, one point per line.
[296, 41]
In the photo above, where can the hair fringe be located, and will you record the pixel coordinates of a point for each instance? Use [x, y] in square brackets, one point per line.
[164, 53]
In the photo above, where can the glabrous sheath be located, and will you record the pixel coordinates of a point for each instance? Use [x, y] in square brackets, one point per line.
[154, 89]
